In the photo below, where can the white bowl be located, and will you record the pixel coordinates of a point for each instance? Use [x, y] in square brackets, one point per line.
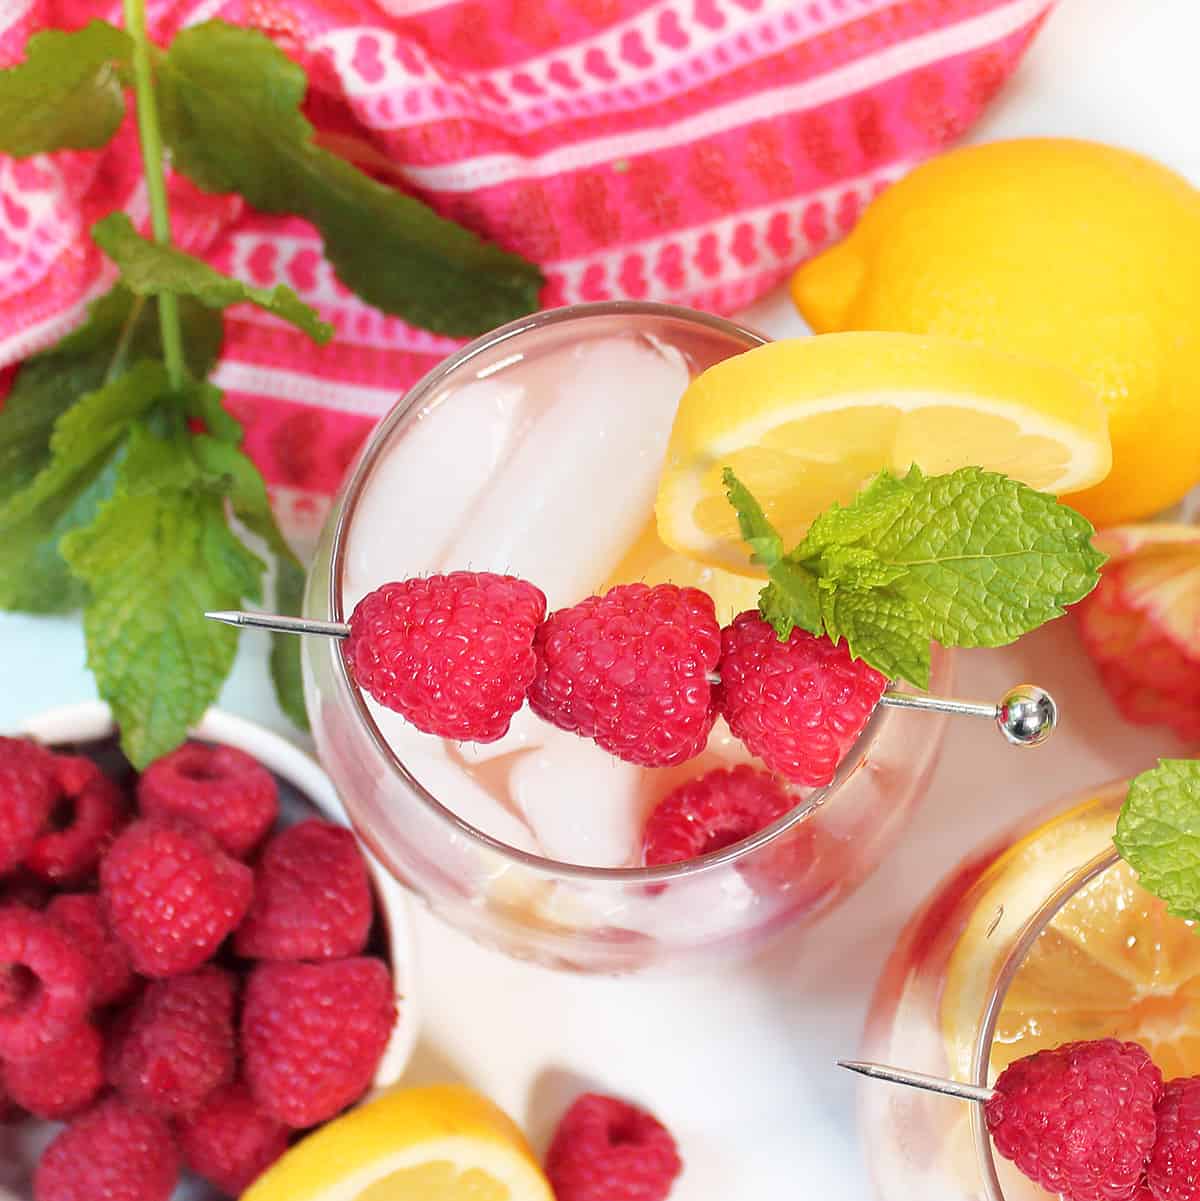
[92, 720]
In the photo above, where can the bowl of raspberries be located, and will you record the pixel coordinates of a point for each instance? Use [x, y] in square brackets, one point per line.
[197, 963]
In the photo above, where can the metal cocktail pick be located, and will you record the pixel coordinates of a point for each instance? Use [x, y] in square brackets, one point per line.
[932, 1084]
[1026, 714]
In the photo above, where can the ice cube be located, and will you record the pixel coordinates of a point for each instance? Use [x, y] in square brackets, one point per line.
[423, 488]
[581, 802]
[435, 764]
[526, 732]
[575, 491]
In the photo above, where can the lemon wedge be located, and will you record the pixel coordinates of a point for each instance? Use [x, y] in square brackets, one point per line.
[808, 421]
[440, 1143]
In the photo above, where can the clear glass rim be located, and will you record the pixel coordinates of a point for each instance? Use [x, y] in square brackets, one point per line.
[352, 491]
[1028, 935]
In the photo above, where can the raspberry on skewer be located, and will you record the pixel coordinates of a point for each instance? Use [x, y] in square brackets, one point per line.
[634, 669]
[1081, 1120]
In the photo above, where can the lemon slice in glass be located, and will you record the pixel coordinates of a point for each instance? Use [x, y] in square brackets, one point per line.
[808, 421]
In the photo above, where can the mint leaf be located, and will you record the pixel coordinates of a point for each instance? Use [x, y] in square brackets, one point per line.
[985, 558]
[119, 328]
[154, 560]
[1158, 833]
[230, 100]
[150, 269]
[757, 531]
[67, 93]
[50, 382]
[842, 525]
[880, 628]
[791, 597]
[856, 567]
[205, 402]
[248, 495]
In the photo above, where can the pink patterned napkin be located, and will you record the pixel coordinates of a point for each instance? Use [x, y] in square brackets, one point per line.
[683, 150]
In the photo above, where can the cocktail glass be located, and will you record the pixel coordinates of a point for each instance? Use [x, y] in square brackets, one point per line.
[1042, 937]
[536, 450]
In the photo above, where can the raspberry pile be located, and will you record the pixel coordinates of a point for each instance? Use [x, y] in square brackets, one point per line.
[643, 671]
[180, 984]
[1093, 1121]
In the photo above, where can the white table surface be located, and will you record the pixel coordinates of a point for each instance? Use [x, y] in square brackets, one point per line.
[739, 1063]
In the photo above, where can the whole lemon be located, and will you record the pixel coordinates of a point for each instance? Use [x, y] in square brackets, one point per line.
[1076, 253]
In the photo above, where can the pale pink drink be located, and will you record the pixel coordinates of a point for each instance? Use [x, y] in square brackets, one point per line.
[536, 451]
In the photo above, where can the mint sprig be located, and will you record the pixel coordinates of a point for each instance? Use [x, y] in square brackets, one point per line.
[967, 559]
[123, 488]
[1158, 833]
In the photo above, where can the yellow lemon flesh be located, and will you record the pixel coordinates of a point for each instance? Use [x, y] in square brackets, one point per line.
[442, 1143]
[807, 422]
[650, 561]
[1066, 251]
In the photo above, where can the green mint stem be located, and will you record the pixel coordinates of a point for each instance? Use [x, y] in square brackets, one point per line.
[156, 188]
[121, 353]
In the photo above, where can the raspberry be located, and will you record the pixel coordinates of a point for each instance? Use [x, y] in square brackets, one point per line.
[453, 654]
[61, 1080]
[176, 1045]
[27, 795]
[218, 788]
[313, 1034]
[113, 1151]
[171, 895]
[45, 983]
[312, 898]
[24, 890]
[712, 812]
[1079, 1119]
[82, 824]
[607, 1150]
[798, 705]
[230, 1141]
[80, 914]
[10, 1112]
[630, 670]
[1174, 1171]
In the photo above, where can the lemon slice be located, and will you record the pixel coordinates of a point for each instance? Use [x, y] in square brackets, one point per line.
[1112, 963]
[442, 1143]
[807, 422]
[650, 561]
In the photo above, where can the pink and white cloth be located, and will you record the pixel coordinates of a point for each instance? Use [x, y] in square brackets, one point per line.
[684, 150]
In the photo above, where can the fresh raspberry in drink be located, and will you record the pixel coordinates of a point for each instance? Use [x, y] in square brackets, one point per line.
[608, 1150]
[81, 916]
[61, 1080]
[28, 790]
[1079, 1119]
[171, 895]
[114, 1151]
[312, 898]
[312, 1035]
[1174, 1170]
[84, 820]
[45, 983]
[219, 788]
[230, 1141]
[631, 669]
[176, 1045]
[452, 654]
[712, 812]
[798, 705]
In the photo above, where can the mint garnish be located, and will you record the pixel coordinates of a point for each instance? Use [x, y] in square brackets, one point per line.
[1158, 833]
[971, 558]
